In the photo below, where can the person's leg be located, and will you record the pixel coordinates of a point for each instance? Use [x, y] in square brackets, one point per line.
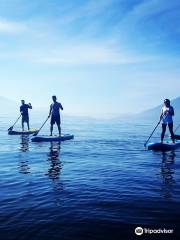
[170, 125]
[59, 129]
[52, 123]
[51, 129]
[22, 123]
[163, 131]
[28, 125]
[58, 122]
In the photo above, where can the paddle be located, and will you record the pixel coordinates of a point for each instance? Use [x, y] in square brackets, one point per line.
[35, 134]
[11, 128]
[177, 128]
[152, 133]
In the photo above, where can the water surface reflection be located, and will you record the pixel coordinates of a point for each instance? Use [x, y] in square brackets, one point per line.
[167, 173]
[24, 143]
[54, 160]
[24, 167]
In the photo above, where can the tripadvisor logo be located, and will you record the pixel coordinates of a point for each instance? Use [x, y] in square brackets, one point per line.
[139, 231]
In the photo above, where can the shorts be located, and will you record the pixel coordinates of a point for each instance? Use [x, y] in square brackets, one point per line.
[25, 119]
[55, 119]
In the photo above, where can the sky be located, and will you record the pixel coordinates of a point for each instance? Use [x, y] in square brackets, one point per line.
[100, 57]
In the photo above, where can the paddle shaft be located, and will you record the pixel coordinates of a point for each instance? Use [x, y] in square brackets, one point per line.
[14, 123]
[177, 128]
[41, 127]
[152, 134]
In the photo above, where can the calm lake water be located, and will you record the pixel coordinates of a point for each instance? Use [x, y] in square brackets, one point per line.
[101, 185]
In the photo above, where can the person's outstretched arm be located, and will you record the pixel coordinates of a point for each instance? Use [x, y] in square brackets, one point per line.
[161, 115]
[21, 110]
[61, 107]
[30, 106]
[171, 111]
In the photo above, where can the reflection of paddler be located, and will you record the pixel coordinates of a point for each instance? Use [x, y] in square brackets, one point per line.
[24, 147]
[53, 156]
[167, 171]
[24, 143]
[24, 167]
[167, 113]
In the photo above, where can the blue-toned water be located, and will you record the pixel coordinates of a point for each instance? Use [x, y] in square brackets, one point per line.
[101, 185]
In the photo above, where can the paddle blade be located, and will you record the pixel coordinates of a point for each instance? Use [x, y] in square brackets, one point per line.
[36, 133]
[10, 129]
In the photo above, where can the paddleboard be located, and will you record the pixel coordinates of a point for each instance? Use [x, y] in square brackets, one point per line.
[177, 137]
[31, 131]
[163, 146]
[45, 138]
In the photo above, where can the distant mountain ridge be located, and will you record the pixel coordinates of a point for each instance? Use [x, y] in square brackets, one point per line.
[7, 106]
[154, 113]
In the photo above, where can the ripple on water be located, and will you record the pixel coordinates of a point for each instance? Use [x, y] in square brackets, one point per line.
[102, 181]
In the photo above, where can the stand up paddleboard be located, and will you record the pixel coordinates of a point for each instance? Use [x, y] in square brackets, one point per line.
[177, 137]
[28, 132]
[52, 138]
[163, 146]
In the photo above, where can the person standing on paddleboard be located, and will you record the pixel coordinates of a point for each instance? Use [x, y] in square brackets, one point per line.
[167, 113]
[55, 114]
[25, 114]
